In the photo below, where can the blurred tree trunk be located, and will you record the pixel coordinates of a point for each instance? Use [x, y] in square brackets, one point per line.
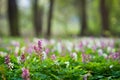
[38, 16]
[13, 18]
[83, 16]
[50, 15]
[0, 18]
[104, 16]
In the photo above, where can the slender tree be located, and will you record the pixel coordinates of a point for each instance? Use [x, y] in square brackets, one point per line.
[104, 16]
[82, 16]
[50, 15]
[0, 14]
[13, 18]
[38, 16]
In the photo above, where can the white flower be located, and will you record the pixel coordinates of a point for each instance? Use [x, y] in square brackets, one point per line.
[59, 47]
[18, 59]
[111, 66]
[105, 55]
[56, 62]
[17, 49]
[28, 57]
[100, 52]
[15, 43]
[69, 46]
[74, 55]
[3, 54]
[11, 65]
[76, 48]
[52, 41]
[109, 49]
[22, 49]
[67, 64]
[113, 50]
[98, 43]
[44, 55]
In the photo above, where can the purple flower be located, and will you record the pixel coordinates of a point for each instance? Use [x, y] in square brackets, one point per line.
[38, 48]
[40, 44]
[22, 57]
[35, 48]
[7, 59]
[25, 74]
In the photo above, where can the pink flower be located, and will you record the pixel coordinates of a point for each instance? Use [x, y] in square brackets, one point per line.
[80, 45]
[47, 51]
[16, 54]
[25, 74]
[94, 47]
[115, 55]
[102, 44]
[85, 57]
[53, 57]
[29, 49]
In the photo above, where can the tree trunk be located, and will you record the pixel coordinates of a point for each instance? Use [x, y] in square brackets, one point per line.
[13, 18]
[38, 16]
[83, 17]
[104, 16]
[50, 15]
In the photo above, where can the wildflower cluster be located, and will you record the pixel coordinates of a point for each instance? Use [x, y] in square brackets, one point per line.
[81, 59]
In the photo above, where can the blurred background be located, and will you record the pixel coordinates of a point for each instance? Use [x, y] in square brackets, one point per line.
[60, 18]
